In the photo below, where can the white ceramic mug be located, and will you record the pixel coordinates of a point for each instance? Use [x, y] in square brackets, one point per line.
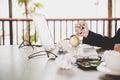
[112, 60]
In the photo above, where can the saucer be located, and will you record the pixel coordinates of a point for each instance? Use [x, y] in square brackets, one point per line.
[85, 46]
[103, 68]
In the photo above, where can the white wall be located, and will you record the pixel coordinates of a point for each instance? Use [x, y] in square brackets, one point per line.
[68, 8]
[65, 8]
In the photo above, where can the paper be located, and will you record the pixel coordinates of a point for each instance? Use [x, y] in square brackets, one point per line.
[65, 61]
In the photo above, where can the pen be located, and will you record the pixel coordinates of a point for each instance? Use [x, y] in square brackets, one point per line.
[83, 30]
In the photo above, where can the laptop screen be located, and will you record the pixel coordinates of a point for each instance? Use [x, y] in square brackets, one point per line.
[43, 31]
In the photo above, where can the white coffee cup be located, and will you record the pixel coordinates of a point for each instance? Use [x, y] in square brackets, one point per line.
[112, 60]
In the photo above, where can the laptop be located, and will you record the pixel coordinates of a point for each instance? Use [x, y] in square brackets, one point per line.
[43, 31]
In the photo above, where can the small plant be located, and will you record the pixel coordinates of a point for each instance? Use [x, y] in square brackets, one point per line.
[29, 9]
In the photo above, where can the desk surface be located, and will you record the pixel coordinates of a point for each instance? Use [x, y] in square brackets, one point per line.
[15, 65]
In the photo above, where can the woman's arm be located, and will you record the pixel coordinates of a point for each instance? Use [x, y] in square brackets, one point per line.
[117, 36]
[95, 39]
[99, 40]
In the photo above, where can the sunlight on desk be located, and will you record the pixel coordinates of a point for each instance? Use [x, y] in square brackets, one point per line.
[15, 65]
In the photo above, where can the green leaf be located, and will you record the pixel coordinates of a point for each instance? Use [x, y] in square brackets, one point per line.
[38, 5]
[20, 2]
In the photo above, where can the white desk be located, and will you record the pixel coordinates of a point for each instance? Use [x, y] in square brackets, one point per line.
[15, 65]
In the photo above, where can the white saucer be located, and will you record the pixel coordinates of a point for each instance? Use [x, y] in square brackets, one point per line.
[85, 46]
[103, 68]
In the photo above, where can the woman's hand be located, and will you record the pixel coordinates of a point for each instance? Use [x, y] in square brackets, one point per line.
[81, 29]
[117, 47]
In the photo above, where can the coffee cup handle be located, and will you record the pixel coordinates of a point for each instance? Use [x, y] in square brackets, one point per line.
[99, 58]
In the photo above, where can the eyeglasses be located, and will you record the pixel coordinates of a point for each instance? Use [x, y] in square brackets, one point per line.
[89, 62]
[89, 58]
